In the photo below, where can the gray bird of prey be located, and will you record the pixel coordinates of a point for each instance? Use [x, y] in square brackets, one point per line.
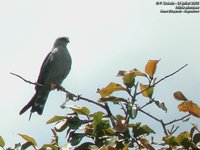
[54, 70]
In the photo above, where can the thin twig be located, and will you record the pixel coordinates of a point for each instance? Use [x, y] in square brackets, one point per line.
[92, 101]
[162, 79]
[27, 81]
[176, 120]
[170, 74]
[150, 102]
[159, 120]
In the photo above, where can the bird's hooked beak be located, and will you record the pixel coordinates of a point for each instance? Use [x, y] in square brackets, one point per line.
[65, 38]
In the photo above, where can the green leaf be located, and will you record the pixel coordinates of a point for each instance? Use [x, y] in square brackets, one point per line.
[98, 117]
[132, 111]
[74, 122]
[129, 76]
[142, 130]
[80, 110]
[146, 90]
[171, 140]
[129, 80]
[28, 139]
[183, 135]
[110, 131]
[26, 145]
[46, 146]
[76, 138]
[184, 139]
[147, 129]
[113, 99]
[135, 126]
[56, 119]
[2, 143]
[138, 124]
[161, 105]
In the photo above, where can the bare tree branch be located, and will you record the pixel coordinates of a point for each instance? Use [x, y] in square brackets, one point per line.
[27, 81]
[159, 120]
[176, 120]
[60, 88]
[162, 79]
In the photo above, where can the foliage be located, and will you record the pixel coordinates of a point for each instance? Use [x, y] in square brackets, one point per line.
[111, 131]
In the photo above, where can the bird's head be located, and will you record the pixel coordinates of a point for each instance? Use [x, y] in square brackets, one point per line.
[61, 41]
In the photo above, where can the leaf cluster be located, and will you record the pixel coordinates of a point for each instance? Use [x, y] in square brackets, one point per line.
[106, 129]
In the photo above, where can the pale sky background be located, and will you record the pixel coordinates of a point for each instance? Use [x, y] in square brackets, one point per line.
[105, 36]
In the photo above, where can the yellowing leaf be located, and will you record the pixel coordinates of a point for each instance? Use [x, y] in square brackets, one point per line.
[183, 135]
[179, 96]
[28, 139]
[190, 107]
[55, 119]
[109, 89]
[120, 117]
[111, 148]
[184, 139]
[103, 148]
[2, 143]
[146, 144]
[146, 90]
[51, 146]
[150, 67]
[121, 123]
[171, 140]
[80, 110]
[110, 131]
[121, 73]
[126, 147]
[122, 126]
[61, 126]
[135, 72]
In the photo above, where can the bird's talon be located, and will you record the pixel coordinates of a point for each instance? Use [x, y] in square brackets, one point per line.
[54, 86]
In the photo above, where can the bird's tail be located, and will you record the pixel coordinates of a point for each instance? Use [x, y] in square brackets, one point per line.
[37, 103]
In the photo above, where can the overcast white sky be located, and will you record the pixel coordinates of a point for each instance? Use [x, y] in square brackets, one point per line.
[105, 36]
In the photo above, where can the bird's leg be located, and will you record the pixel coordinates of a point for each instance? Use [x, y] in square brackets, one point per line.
[56, 86]
[53, 86]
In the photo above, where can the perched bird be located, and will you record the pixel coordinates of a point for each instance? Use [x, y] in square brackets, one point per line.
[54, 70]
